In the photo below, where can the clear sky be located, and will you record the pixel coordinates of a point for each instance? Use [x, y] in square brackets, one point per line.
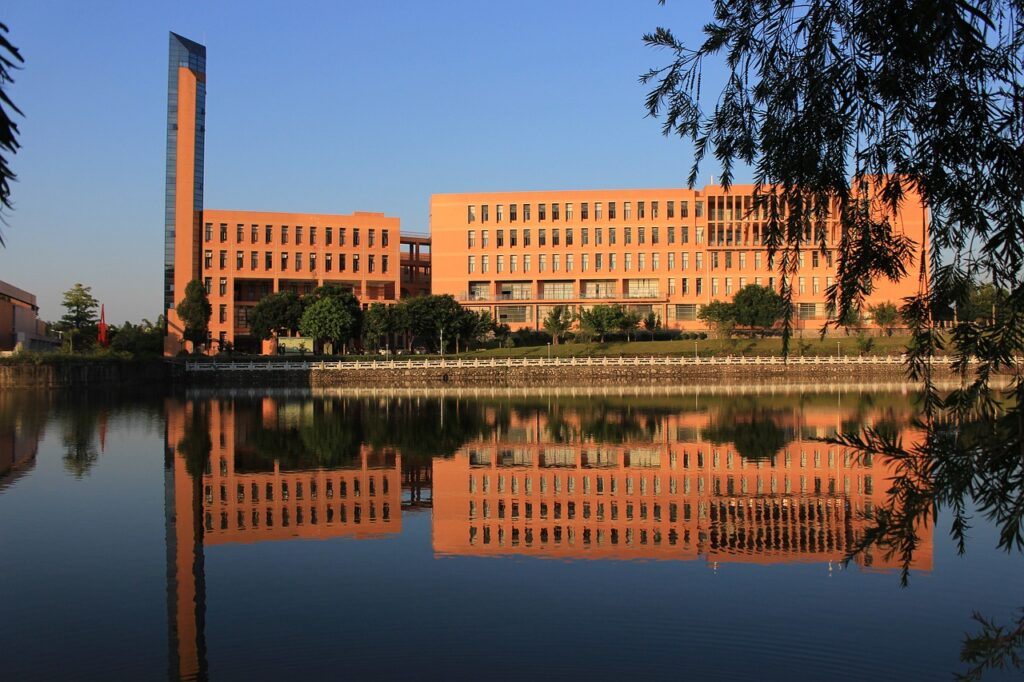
[325, 107]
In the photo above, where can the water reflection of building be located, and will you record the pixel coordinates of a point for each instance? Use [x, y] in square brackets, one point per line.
[21, 428]
[664, 493]
[241, 494]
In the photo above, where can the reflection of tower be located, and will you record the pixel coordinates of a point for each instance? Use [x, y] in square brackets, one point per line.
[183, 197]
[186, 578]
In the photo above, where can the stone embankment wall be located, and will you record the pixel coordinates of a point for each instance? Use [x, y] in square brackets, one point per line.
[90, 374]
[522, 377]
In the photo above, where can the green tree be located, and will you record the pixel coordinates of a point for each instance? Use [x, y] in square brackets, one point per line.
[626, 321]
[195, 310]
[600, 319]
[720, 316]
[558, 322]
[473, 327]
[328, 320]
[433, 318]
[81, 308]
[10, 57]
[851, 319]
[275, 315]
[651, 323]
[757, 307]
[885, 316]
[984, 303]
[378, 324]
[345, 296]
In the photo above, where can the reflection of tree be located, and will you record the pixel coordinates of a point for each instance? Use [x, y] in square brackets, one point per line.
[78, 435]
[996, 647]
[753, 431]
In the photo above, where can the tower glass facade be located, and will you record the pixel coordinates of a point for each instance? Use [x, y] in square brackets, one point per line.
[183, 53]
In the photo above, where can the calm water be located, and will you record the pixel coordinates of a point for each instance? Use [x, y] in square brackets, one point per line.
[262, 536]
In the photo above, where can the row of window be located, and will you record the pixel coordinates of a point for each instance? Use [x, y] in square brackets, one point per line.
[297, 262]
[566, 210]
[298, 235]
[255, 518]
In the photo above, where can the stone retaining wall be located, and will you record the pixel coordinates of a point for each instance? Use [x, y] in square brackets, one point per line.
[530, 376]
[87, 374]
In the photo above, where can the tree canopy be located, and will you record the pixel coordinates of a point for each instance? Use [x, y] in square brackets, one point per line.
[558, 322]
[757, 307]
[327, 319]
[275, 314]
[10, 58]
[81, 308]
[195, 311]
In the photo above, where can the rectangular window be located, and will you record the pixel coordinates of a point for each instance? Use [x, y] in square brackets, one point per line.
[641, 261]
[223, 260]
[671, 286]
[743, 260]
[269, 260]
[611, 261]
[714, 286]
[611, 235]
[628, 232]
[355, 240]
[484, 213]
[223, 232]
[611, 210]
[699, 260]
[802, 285]
[654, 235]
[554, 237]
[355, 262]
[584, 236]
[686, 286]
[512, 212]
[208, 235]
[598, 261]
[627, 210]
[568, 236]
[485, 264]
[500, 238]
[371, 237]
[597, 235]
[254, 237]
[671, 235]
[240, 260]
[814, 285]
[254, 260]
[526, 213]
[698, 209]
[208, 259]
[655, 261]
[814, 259]
[568, 211]
[298, 234]
[684, 234]
[584, 211]
[471, 266]
[223, 289]
[370, 267]
[312, 262]
[628, 262]
[471, 238]
[728, 260]
[471, 214]
[542, 237]
[312, 236]
[670, 209]
[542, 211]
[485, 238]
[268, 234]
[329, 236]
[499, 213]
[526, 263]
[284, 234]
[598, 211]
[671, 260]
[223, 313]
[328, 261]
[554, 211]
[383, 263]
[686, 260]
[728, 286]
[240, 233]
[542, 262]
[699, 286]
[341, 262]
[208, 283]
[654, 210]
[554, 262]
[298, 262]
[501, 264]
[686, 311]
[341, 236]
[513, 237]
[642, 235]
[513, 262]
[526, 237]
[284, 261]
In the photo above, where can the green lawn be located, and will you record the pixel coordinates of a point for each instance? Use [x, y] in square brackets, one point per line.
[847, 345]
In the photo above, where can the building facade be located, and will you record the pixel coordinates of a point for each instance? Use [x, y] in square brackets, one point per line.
[670, 251]
[20, 326]
[242, 256]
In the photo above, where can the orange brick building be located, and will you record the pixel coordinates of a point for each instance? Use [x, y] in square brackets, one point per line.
[673, 495]
[241, 256]
[669, 251]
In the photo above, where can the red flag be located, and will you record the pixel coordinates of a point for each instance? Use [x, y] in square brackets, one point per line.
[102, 337]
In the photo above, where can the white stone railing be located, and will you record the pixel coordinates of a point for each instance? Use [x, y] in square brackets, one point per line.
[635, 361]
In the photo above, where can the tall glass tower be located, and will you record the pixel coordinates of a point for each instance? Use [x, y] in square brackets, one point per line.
[186, 135]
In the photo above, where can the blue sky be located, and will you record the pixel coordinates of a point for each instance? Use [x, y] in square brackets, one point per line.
[317, 106]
